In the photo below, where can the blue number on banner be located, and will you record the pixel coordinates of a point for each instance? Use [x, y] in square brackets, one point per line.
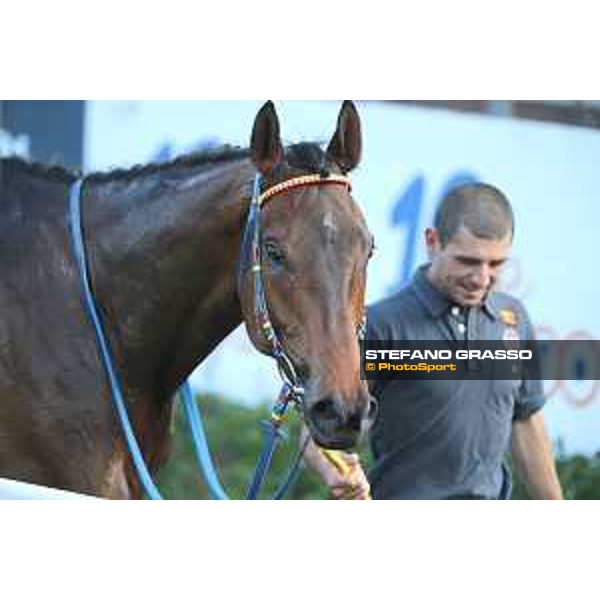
[408, 211]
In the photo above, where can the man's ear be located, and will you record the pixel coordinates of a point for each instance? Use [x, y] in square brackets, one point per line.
[345, 147]
[266, 147]
[433, 241]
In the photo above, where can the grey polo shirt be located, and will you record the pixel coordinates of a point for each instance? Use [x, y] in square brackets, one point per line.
[446, 439]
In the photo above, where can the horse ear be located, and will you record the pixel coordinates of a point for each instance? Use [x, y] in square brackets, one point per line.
[346, 144]
[266, 146]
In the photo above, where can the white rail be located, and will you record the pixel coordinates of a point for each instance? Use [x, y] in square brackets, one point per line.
[18, 490]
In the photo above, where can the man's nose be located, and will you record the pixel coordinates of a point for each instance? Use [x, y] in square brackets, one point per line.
[483, 276]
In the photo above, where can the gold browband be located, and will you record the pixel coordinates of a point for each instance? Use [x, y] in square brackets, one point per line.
[303, 181]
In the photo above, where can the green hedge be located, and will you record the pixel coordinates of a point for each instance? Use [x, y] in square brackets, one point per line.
[236, 440]
[579, 476]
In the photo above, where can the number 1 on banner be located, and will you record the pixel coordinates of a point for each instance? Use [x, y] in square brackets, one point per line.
[407, 213]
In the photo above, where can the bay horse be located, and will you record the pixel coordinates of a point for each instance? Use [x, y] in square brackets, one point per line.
[163, 244]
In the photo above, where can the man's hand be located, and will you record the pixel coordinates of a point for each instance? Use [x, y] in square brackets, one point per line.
[349, 483]
[340, 471]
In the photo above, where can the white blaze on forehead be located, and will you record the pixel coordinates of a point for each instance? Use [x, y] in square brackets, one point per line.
[329, 226]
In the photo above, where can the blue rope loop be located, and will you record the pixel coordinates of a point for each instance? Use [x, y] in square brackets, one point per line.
[76, 228]
[200, 442]
[291, 392]
[273, 435]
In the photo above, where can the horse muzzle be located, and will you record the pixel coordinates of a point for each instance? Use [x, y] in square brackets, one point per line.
[336, 422]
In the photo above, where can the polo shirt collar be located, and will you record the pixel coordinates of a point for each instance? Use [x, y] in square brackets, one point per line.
[433, 300]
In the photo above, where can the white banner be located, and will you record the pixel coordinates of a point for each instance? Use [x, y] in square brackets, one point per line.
[411, 156]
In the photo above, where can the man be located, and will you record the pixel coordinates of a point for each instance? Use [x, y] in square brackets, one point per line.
[448, 439]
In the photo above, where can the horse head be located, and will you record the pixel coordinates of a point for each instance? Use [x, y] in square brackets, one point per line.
[314, 249]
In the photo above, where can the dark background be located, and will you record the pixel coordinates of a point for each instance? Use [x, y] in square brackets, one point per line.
[55, 128]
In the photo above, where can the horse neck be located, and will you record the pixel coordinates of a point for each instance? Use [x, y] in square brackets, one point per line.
[163, 253]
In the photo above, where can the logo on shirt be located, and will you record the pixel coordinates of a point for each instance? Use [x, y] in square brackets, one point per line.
[511, 321]
[509, 317]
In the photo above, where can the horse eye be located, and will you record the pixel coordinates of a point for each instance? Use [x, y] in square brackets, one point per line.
[274, 253]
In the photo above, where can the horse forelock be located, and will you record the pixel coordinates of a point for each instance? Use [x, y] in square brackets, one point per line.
[306, 156]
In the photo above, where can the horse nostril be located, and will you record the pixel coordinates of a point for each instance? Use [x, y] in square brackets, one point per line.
[355, 421]
[326, 410]
[332, 413]
[339, 424]
[362, 417]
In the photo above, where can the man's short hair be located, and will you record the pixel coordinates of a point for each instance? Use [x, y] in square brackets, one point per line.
[481, 208]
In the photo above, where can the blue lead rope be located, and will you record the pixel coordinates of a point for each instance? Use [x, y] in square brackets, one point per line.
[204, 459]
[272, 437]
[203, 456]
[113, 379]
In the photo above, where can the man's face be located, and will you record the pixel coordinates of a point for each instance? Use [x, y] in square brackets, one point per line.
[467, 268]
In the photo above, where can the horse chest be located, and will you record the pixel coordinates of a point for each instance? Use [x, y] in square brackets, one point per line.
[114, 484]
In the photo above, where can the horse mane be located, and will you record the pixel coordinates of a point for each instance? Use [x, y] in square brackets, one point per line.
[203, 158]
[305, 156]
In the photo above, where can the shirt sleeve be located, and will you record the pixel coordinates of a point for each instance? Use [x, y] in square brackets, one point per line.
[531, 397]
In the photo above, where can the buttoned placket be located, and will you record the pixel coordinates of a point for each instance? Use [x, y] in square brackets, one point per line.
[463, 322]
[459, 322]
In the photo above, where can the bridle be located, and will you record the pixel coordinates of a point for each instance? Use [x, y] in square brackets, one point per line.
[251, 258]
